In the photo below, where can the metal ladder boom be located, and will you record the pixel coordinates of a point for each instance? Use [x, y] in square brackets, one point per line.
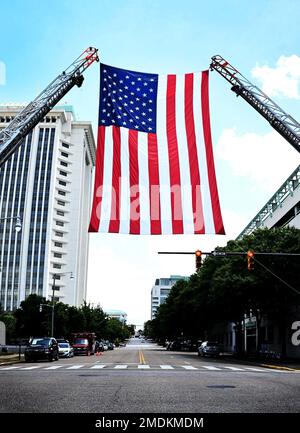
[282, 122]
[34, 112]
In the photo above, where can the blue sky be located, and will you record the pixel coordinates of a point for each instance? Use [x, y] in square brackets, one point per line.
[40, 40]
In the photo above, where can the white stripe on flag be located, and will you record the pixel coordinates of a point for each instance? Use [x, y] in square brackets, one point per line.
[187, 208]
[163, 157]
[107, 181]
[144, 183]
[124, 183]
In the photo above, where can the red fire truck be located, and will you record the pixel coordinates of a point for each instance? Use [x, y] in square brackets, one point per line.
[83, 343]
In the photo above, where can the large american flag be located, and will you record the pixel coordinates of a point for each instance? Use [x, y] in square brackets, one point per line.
[154, 166]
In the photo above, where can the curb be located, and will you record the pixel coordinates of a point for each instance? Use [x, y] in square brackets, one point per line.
[15, 360]
[278, 367]
[260, 364]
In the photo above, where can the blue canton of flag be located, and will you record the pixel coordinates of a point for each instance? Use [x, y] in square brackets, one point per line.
[128, 99]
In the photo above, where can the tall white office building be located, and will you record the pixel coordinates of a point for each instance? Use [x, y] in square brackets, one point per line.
[48, 183]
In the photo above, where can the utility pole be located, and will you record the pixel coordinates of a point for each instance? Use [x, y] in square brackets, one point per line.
[52, 317]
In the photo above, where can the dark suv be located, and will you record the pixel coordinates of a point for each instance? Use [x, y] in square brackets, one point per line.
[41, 348]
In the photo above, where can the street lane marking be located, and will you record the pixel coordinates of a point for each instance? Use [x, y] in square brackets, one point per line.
[98, 366]
[121, 366]
[55, 367]
[210, 367]
[143, 366]
[189, 367]
[9, 368]
[141, 357]
[75, 367]
[166, 367]
[234, 368]
[253, 369]
[30, 368]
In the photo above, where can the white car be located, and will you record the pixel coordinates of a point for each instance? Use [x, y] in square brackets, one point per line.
[65, 350]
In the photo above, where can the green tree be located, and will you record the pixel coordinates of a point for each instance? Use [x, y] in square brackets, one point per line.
[223, 289]
[29, 319]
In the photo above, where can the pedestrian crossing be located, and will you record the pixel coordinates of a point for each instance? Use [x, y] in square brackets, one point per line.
[114, 366]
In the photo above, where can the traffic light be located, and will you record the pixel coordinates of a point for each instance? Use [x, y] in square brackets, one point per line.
[198, 255]
[41, 308]
[250, 259]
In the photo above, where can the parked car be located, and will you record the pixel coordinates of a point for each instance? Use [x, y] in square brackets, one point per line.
[99, 347]
[174, 345]
[65, 350]
[41, 348]
[62, 340]
[210, 348]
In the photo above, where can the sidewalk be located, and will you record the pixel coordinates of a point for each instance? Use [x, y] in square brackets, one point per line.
[12, 358]
[288, 365]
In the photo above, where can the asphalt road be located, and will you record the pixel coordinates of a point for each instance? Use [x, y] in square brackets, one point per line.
[145, 378]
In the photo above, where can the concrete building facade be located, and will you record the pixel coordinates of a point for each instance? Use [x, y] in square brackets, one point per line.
[47, 183]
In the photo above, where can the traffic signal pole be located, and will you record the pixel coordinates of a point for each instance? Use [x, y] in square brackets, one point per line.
[249, 254]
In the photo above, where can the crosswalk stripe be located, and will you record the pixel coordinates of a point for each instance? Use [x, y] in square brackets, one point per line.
[9, 368]
[210, 367]
[254, 369]
[30, 368]
[166, 367]
[143, 366]
[54, 367]
[234, 368]
[97, 366]
[121, 367]
[75, 367]
[189, 367]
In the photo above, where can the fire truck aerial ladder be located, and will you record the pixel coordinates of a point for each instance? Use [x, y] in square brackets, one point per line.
[11, 136]
[282, 122]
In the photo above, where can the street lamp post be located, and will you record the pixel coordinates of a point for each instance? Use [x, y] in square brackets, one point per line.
[53, 299]
[18, 224]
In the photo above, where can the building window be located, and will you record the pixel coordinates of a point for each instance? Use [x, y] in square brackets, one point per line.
[59, 223]
[57, 255]
[56, 266]
[63, 173]
[65, 145]
[61, 203]
[61, 192]
[60, 212]
[58, 244]
[64, 164]
[64, 154]
[59, 234]
[62, 182]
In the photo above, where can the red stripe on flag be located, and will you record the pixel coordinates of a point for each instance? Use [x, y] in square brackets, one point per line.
[218, 222]
[154, 193]
[98, 186]
[193, 155]
[176, 202]
[114, 224]
[134, 183]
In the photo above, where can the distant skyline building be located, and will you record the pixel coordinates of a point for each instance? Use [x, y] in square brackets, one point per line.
[117, 314]
[160, 291]
[48, 183]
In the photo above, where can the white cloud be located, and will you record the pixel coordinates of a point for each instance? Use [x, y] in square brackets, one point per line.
[283, 79]
[266, 160]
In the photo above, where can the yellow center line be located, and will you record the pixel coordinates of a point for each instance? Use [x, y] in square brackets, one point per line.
[141, 357]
